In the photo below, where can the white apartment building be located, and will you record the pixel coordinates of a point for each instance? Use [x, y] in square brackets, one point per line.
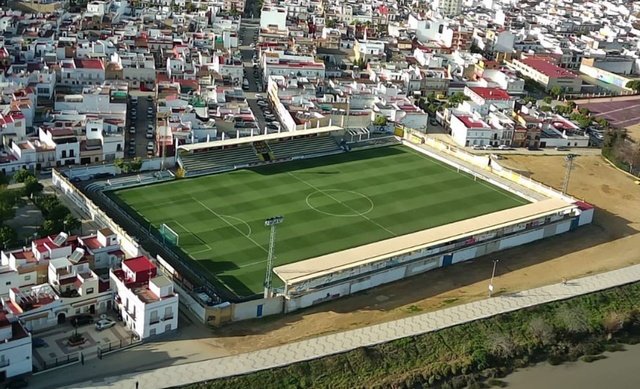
[481, 99]
[15, 347]
[448, 8]
[102, 249]
[277, 63]
[146, 300]
[470, 130]
[82, 72]
[272, 17]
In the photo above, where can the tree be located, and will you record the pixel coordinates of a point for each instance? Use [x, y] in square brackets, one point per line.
[456, 99]
[4, 180]
[604, 123]
[8, 237]
[380, 121]
[180, 173]
[545, 108]
[135, 164]
[47, 203]
[49, 227]
[32, 187]
[331, 23]
[121, 164]
[547, 99]
[71, 223]
[555, 91]
[634, 85]
[59, 212]
[22, 175]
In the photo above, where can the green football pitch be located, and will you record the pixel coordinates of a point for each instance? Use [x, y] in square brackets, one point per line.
[329, 204]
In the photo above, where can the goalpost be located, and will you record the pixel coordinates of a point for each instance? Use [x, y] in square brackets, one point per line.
[169, 235]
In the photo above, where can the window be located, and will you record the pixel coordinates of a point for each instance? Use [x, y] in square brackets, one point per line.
[168, 313]
[64, 153]
[89, 290]
[71, 153]
[8, 283]
[27, 278]
[152, 332]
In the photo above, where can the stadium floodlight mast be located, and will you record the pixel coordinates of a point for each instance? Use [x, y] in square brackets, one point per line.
[271, 222]
[567, 173]
[493, 274]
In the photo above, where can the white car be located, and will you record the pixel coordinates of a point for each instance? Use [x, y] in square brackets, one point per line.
[103, 324]
[150, 146]
[488, 147]
[477, 147]
[504, 147]
[149, 135]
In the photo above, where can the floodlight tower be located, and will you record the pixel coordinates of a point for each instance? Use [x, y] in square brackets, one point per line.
[271, 222]
[567, 174]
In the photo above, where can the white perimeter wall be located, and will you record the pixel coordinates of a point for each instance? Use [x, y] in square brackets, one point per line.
[93, 212]
[348, 287]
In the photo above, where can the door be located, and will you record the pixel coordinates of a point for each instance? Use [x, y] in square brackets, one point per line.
[61, 318]
[92, 309]
[259, 311]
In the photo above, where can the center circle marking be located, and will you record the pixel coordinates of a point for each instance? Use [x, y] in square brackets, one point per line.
[340, 196]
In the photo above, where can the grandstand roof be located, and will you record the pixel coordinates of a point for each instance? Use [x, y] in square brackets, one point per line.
[331, 263]
[257, 138]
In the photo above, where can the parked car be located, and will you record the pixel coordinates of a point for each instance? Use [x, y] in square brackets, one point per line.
[504, 147]
[488, 147]
[99, 176]
[150, 146]
[149, 98]
[132, 130]
[259, 97]
[131, 151]
[103, 324]
[562, 148]
[38, 342]
[134, 99]
[149, 134]
[81, 320]
[477, 147]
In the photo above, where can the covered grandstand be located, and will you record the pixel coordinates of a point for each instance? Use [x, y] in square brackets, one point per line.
[229, 154]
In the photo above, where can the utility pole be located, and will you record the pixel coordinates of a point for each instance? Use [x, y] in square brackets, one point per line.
[567, 173]
[493, 274]
[271, 222]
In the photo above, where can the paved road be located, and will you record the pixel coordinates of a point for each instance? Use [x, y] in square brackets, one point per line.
[336, 343]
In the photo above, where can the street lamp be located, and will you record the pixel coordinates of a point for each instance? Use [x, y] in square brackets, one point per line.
[493, 274]
[271, 222]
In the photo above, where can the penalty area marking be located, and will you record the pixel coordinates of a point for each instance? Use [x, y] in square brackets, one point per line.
[248, 234]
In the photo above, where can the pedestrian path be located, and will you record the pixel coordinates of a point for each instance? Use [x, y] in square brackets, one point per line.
[344, 341]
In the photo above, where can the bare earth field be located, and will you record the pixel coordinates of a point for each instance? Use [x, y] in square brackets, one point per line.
[610, 243]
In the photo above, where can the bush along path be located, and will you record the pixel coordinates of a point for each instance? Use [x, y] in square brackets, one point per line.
[474, 354]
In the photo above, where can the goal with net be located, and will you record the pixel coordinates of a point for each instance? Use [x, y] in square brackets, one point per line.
[169, 235]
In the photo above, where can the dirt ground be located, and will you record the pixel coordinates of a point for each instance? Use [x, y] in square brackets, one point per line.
[611, 242]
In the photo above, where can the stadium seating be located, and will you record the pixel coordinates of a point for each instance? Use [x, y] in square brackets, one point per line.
[303, 146]
[218, 159]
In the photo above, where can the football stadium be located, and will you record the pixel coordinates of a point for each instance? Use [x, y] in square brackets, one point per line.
[329, 204]
[356, 209]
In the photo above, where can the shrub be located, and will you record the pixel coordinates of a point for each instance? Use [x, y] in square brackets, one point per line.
[541, 331]
[592, 358]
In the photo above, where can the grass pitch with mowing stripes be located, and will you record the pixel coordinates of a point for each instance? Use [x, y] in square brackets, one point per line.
[329, 204]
